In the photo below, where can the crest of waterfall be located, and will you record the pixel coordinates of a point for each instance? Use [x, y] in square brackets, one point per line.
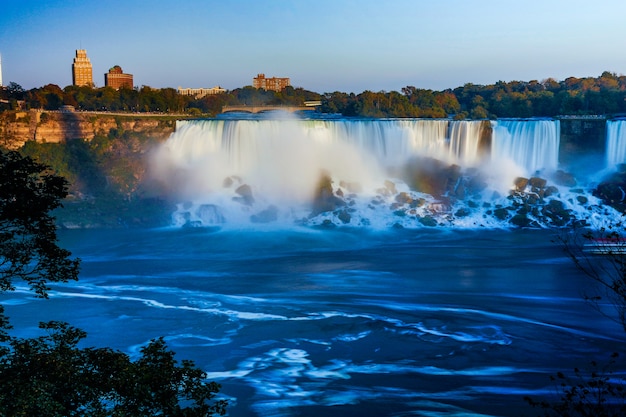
[615, 142]
[532, 146]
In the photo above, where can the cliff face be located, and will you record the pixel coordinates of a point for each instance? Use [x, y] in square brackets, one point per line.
[16, 128]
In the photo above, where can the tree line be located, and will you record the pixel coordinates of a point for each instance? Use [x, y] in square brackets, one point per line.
[604, 95]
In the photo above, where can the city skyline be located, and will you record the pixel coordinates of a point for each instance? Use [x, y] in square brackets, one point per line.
[322, 46]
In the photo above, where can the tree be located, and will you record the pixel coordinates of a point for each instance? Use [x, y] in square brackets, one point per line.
[598, 391]
[28, 240]
[51, 375]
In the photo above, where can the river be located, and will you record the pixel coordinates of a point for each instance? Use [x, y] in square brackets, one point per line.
[339, 322]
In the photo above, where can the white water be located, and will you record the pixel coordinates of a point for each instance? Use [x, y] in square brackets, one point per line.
[615, 142]
[204, 164]
[533, 145]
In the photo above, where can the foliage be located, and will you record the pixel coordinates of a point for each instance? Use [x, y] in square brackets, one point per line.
[51, 375]
[597, 393]
[605, 94]
[28, 240]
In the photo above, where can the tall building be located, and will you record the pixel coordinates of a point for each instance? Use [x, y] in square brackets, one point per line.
[116, 78]
[81, 69]
[270, 84]
[1, 71]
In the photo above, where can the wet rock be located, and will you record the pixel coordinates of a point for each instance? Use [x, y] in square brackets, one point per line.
[501, 213]
[324, 200]
[582, 199]
[557, 213]
[268, 215]
[536, 182]
[389, 185]
[428, 221]
[550, 191]
[520, 184]
[427, 175]
[521, 220]
[564, 178]
[403, 198]
[244, 193]
[462, 212]
[344, 216]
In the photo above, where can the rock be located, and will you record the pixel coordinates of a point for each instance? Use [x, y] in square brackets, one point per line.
[344, 216]
[582, 199]
[245, 195]
[520, 183]
[270, 214]
[403, 198]
[324, 200]
[391, 187]
[501, 213]
[521, 220]
[537, 182]
[462, 212]
[565, 179]
[428, 221]
[551, 191]
[427, 175]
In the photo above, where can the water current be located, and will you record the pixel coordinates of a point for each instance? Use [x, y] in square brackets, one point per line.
[342, 322]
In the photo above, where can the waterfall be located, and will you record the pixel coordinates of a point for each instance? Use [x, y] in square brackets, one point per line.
[532, 145]
[615, 142]
[465, 141]
[234, 171]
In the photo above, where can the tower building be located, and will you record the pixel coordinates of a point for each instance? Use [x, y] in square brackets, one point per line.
[81, 69]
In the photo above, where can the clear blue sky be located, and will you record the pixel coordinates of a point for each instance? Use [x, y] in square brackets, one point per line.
[322, 45]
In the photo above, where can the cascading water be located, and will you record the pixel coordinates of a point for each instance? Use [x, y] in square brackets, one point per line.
[615, 142]
[531, 145]
[375, 173]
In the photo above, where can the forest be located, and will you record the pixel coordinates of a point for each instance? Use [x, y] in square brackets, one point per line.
[603, 95]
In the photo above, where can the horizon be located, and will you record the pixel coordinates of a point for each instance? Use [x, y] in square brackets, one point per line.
[348, 46]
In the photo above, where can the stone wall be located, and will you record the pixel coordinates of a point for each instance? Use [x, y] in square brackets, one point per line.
[582, 136]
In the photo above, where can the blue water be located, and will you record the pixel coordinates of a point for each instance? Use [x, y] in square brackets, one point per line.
[339, 322]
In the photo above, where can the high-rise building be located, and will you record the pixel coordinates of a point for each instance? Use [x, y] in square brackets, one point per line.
[81, 69]
[116, 78]
[270, 84]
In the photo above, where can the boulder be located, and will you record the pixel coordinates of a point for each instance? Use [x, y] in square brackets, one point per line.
[324, 199]
[520, 184]
[268, 215]
[244, 193]
[564, 178]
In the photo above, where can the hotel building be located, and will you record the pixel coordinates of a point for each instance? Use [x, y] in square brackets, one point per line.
[198, 93]
[81, 69]
[116, 78]
[270, 84]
